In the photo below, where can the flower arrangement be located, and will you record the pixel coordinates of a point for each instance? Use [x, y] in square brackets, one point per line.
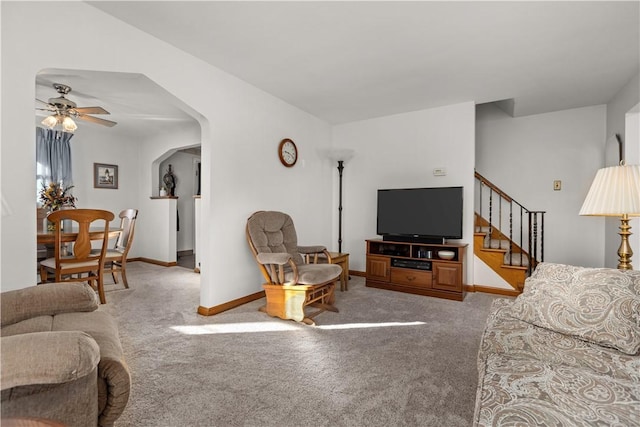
[54, 196]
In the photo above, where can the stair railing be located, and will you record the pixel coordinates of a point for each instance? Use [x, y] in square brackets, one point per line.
[528, 224]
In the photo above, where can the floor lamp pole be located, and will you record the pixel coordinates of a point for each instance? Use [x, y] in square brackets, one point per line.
[340, 169]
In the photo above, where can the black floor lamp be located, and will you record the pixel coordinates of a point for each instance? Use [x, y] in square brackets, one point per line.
[340, 156]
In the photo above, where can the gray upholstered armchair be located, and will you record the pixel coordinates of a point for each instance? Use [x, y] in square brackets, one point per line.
[294, 278]
[61, 357]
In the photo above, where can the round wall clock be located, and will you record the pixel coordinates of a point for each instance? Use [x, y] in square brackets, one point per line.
[288, 152]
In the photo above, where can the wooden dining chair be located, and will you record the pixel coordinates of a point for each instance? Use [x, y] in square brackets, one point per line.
[73, 248]
[116, 257]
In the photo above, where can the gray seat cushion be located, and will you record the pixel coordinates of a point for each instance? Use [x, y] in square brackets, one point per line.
[313, 274]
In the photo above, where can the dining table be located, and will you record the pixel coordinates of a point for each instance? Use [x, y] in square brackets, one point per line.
[48, 237]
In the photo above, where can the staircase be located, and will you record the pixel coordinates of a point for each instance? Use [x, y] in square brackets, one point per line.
[508, 237]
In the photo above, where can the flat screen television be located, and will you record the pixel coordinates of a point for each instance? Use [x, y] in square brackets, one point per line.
[427, 215]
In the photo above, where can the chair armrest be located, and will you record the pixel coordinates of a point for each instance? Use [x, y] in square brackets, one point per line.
[318, 249]
[279, 258]
[46, 300]
[113, 398]
[307, 251]
[114, 377]
[46, 358]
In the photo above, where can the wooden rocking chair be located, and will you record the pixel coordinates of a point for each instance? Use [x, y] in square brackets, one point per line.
[294, 279]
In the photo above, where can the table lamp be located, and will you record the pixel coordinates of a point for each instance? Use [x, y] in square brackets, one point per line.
[615, 191]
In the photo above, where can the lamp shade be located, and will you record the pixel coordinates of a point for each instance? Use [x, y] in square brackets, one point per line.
[50, 121]
[343, 155]
[69, 125]
[615, 191]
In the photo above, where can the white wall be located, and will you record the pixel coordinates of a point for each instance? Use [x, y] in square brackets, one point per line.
[632, 156]
[401, 151]
[524, 155]
[621, 104]
[483, 275]
[241, 128]
[94, 144]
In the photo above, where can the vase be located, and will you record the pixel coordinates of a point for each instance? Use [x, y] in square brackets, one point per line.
[67, 224]
[41, 218]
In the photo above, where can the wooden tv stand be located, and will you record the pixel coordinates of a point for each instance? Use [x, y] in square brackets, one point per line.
[405, 267]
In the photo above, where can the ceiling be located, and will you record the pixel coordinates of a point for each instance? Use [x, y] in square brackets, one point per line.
[348, 61]
[137, 104]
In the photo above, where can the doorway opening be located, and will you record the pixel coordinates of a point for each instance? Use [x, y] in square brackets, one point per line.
[149, 122]
[184, 165]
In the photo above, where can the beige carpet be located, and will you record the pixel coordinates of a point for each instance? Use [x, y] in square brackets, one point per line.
[387, 359]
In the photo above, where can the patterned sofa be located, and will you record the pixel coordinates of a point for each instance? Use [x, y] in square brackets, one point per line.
[566, 352]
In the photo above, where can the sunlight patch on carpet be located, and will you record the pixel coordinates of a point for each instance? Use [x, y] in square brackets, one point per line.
[236, 328]
[368, 325]
[276, 326]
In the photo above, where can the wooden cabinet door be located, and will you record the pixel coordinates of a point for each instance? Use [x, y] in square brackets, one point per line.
[378, 268]
[447, 277]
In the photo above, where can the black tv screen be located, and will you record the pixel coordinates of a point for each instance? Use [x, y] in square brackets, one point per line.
[420, 213]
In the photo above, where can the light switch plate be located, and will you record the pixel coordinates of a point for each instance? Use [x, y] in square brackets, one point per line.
[439, 171]
[557, 185]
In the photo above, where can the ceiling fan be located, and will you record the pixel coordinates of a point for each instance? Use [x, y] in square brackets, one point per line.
[63, 111]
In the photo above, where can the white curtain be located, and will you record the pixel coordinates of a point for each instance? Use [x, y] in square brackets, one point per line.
[53, 157]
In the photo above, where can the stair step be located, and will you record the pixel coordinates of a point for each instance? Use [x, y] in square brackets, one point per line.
[496, 244]
[514, 267]
[517, 259]
[483, 229]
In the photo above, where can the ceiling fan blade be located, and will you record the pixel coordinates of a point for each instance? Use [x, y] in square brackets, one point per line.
[91, 110]
[96, 120]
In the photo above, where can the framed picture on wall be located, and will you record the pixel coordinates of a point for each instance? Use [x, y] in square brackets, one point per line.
[105, 176]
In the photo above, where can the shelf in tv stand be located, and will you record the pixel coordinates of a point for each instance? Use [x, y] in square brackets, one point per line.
[415, 267]
[411, 263]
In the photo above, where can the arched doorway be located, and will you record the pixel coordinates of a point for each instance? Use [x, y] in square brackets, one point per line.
[184, 164]
[150, 123]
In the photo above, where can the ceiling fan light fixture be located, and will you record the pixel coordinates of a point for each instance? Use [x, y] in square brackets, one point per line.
[50, 121]
[68, 124]
[63, 111]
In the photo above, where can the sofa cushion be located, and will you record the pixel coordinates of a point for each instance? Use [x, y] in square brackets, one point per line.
[549, 271]
[35, 324]
[530, 392]
[598, 305]
[521, 340]
[47, 358]
[46, 299]
[72, 403]
[312, 274]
